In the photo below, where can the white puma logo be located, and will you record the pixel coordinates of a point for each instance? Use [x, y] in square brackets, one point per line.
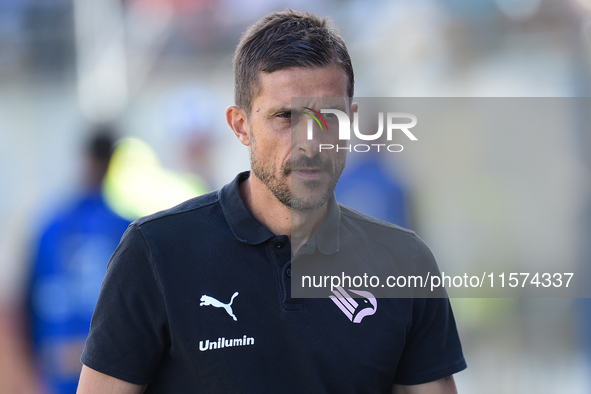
[207, 300]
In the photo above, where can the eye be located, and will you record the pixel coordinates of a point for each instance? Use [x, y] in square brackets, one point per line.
[284, 115]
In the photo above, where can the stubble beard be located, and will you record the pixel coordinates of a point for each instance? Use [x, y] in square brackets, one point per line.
[276, 179]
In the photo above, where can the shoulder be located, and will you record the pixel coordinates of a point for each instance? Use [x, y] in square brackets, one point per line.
[375, 233]
[370, 224]
[154, 237]
[190, 208]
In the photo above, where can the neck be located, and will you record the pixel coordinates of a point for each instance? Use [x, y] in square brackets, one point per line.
[299, 226]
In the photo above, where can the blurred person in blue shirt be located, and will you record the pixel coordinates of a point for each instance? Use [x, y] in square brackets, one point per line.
[368, 186]
[68, 270]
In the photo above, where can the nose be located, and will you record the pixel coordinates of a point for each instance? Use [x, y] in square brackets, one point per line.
[305, 140]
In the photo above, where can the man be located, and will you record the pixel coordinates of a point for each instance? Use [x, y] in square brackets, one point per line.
[68, 270]
[197, 298]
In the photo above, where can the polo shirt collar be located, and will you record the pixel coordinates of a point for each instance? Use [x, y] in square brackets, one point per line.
[249, 230]
[243, 225]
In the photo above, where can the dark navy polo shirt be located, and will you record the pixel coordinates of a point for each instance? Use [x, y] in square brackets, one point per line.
[197, 299]
[361, 248]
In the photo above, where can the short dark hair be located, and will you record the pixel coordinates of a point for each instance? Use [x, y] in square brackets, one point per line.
[286, 39]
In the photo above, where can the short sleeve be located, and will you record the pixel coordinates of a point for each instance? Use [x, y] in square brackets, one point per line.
[432, 350]
[129, 331]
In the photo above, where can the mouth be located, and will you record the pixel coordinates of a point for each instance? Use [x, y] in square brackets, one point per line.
[309, 173]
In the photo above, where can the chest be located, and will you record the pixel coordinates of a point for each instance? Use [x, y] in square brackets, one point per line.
[231, 319]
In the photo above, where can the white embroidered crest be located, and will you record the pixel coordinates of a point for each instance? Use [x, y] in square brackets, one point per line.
[355, 308]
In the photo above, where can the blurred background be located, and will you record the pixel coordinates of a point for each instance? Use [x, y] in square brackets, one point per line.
[156, 75]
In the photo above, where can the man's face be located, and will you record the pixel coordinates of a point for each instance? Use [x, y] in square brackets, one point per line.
[281, 156]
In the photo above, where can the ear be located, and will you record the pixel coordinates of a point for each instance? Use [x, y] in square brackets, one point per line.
[353, 110]
[238, 122]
